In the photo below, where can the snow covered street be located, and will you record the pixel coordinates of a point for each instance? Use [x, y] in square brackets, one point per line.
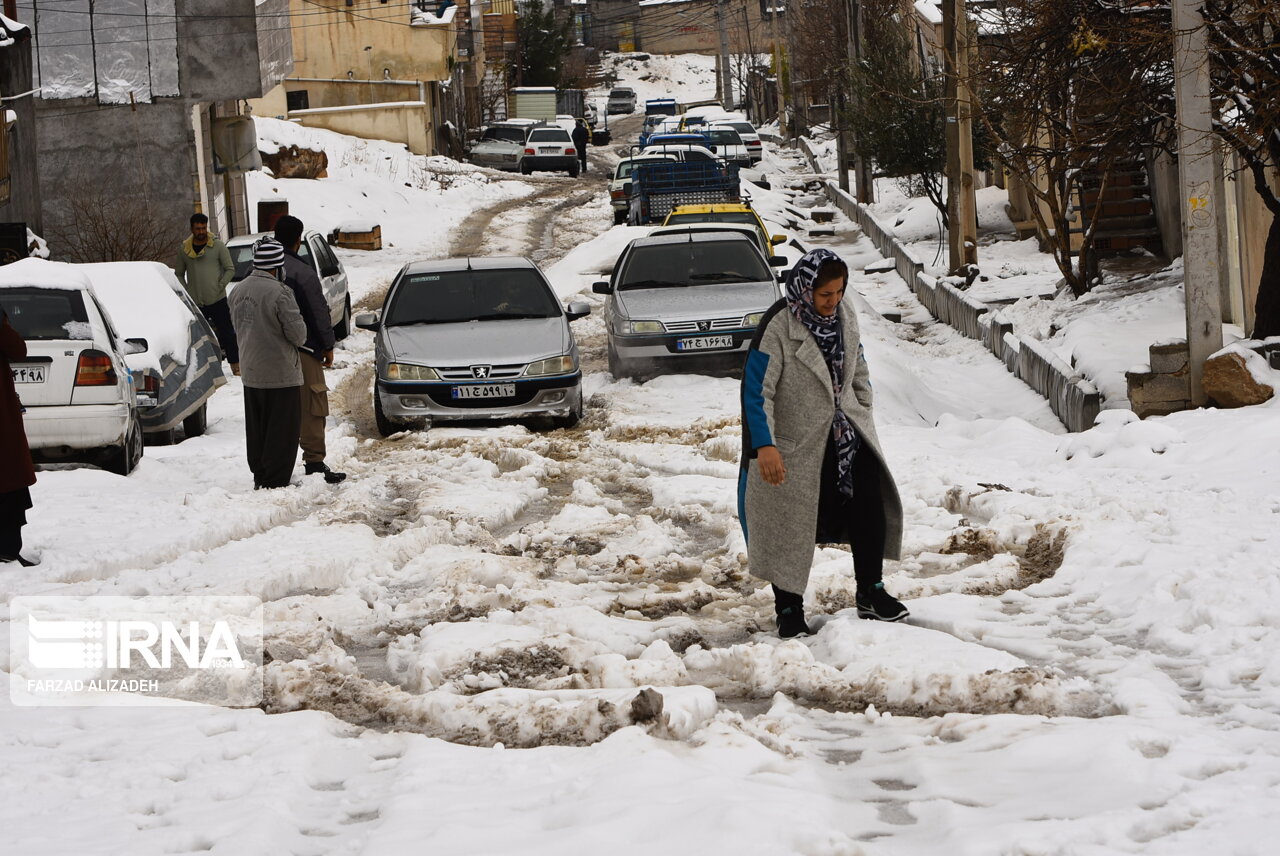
[508, 639]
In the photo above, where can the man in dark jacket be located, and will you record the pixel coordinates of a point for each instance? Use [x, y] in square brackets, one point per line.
[16, 472]
[270, 330]
[581, 136]
[316, 353]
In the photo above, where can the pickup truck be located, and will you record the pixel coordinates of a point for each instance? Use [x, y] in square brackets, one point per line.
[658, 188]
[661, 107]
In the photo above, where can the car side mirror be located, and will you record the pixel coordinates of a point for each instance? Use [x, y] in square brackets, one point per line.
[777, 261]
[712, 148]
[601, 287]
[577, 310]
[777, 239]
[626, 189]
[135, 346]
[368, 321]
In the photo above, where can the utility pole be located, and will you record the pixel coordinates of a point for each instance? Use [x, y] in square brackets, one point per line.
[1201, 251]
[725, 81]
[962, 203]
[842, 143]
[777, 60]
[794, 127]
[864, 181]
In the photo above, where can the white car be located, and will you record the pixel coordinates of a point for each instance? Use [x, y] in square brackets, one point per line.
[76, 387]
[728, 144]
[502, 144]
[314, 251]
[549, 147]
[180, 367]
[750, 137]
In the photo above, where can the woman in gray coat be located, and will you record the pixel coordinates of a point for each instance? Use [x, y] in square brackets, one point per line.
[812, 469]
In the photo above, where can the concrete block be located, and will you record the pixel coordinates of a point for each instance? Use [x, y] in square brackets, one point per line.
[1170, 358]
[882, 266]
[1155, 387]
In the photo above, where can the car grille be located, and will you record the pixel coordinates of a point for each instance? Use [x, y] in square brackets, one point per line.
[734, 323]
[456, 373]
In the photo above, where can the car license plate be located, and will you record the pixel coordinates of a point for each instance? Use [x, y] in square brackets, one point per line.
[492, 390]
[548, 150]
[704, 343]
[28, 374]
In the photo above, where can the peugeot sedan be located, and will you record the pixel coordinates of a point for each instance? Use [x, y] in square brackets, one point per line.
[676, 297]
[468, 339]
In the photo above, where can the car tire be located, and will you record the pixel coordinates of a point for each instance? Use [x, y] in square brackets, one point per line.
[573, 171]
[122, 459]
[161, 438]
[619, 217]
[525, 169]
[195, 424]
[385, 426]
[617, 367]
[574, 415]
[343, 328]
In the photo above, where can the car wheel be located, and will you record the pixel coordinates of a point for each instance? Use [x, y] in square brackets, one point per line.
[161, 438]
[573, 171]
[574, 415]
[619, 217]
[525, 169]
[122, 459]
[387, 427]
[195, 424]
[343, 328]
[616, 367]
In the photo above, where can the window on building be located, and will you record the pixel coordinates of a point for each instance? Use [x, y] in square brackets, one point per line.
[297, 100]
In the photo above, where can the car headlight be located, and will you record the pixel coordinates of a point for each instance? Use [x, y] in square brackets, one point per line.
[555, 365]
[753, 320]
[647, 327]
[406, 371]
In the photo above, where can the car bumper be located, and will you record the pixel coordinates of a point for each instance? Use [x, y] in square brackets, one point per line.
[64, 429]
[497, 163]
[667, 345]
[553, 163]
[412, 400]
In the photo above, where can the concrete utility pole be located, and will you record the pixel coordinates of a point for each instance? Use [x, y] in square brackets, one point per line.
[962, 203]
[725, 81]
[795, 127]
[864, 181]
[1201, 251]
[837, 100]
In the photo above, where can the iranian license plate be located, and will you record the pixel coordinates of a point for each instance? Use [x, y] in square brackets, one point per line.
[552, 150]
[704, 343]
[28, 374]
[492, 390]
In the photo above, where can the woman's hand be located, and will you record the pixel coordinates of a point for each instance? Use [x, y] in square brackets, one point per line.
[772, 469]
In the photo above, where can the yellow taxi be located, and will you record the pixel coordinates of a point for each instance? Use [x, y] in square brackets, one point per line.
[735, 213]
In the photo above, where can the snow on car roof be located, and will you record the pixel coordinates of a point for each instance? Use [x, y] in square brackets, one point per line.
[44, 274]
[142, 299]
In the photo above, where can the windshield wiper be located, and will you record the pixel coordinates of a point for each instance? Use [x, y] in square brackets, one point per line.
[720, 277]
[411, 322]
[651, 283]
[499, 316]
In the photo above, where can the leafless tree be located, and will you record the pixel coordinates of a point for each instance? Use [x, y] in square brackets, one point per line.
[97, 226]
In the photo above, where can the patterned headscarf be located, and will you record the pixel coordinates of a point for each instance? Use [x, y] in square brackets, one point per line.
[828, 333]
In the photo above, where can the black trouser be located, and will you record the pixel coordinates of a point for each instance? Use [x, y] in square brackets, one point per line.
[582, 156]
[858, 521]
[219, 315]
[13, 516]
[272, 419]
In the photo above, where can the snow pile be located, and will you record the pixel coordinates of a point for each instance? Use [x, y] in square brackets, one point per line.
[684, 77]
[141, 299]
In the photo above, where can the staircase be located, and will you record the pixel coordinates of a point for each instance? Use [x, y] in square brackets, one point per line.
[1126, 220]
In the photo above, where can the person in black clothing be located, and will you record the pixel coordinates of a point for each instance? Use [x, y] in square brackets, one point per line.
[581, 137]
[316, 352]
[17, 474]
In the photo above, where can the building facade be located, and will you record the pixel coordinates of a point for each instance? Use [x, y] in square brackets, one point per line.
[19, 176]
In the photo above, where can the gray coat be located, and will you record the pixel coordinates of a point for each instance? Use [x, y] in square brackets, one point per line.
[787, 396]
[269, 328]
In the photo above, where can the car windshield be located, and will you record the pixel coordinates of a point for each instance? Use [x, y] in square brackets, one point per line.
[550, 135]
[745, 217]
[724, 137]
[474, 295]
[743, 127]
[46, 313]
[242, 258]
[693, 263]
[626, 167]
[506, 135]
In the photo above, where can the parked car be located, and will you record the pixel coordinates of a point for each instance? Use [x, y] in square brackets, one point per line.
[620, 184]
[316, 252]
[549, 147]
[502, 144]
[622, 99]
[661, 107]
[738, 213]
[680, 139]
[479, 338]
[750, 136]
[80, 400]
[590, 113]
[673, 298]
[180, 367]
[726, 143]
[757, 237]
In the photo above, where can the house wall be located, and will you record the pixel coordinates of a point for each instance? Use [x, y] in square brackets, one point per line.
[407, 122]
[368, 40]
[24, 177]
[691, 26]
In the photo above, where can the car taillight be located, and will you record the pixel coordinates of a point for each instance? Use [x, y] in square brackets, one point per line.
[617, 194]
[570, 151]
[755, 145]
[95, 369]
[529, 151]
[150, 384]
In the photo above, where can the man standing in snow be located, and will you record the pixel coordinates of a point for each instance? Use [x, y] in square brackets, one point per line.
[581, 136]
[316, 353]
[270, 330]
[204, 267]
[17, 474]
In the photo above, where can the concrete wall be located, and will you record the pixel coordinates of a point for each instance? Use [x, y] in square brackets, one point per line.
[368, 40]
[691, 26]
[407, 122]
[24, 178]
[219, 53]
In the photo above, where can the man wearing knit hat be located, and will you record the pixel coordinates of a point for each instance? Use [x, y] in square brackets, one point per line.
[269, 329]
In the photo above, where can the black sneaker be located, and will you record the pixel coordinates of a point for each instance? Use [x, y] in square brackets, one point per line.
[791, 622]
[880, 605]
[330, 476]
